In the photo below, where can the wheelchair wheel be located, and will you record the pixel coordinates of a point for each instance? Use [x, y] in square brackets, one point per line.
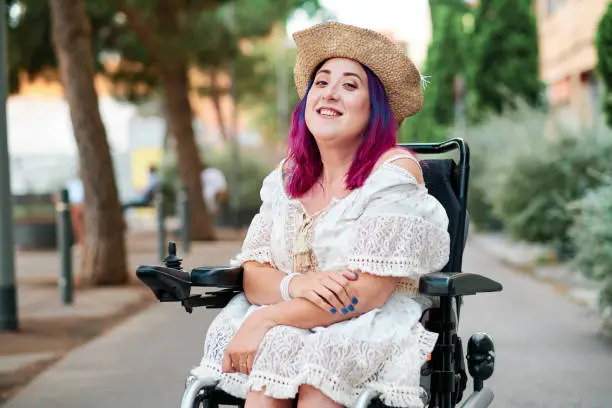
[204, 402]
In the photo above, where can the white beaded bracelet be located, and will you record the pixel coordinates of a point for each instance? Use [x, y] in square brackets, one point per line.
[284, 286]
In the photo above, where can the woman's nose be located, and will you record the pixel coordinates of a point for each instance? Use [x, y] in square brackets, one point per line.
[330, 94]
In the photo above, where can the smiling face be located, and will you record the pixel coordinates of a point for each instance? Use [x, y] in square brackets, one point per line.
[338, 103]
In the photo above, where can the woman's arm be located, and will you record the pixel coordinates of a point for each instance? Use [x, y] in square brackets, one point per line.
[261, 283]
[327, 289]
[372, 292]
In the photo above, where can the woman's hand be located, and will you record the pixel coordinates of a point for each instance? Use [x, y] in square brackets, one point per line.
[241, 350]
[329, 290]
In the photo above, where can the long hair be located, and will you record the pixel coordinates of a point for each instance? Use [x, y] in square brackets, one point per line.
[304, 157]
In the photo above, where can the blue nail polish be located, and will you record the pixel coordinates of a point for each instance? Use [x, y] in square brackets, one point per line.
[355, 301]
[351, 308]
[332, 310]
[344, 310]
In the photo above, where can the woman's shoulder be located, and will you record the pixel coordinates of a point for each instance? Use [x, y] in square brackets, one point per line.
[273, 183]
[399, 158]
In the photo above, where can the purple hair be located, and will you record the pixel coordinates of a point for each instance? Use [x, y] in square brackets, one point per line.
[304, 157]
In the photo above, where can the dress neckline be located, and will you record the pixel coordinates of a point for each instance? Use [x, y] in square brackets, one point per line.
[335, 200]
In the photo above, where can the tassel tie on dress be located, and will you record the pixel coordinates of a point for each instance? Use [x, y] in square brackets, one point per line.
[304, 260]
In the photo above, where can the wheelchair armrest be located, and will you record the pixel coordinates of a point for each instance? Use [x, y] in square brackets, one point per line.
[456, 284]
[168, 284]
[218, 277]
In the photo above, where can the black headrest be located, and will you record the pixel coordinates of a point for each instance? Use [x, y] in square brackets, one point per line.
[441, 180]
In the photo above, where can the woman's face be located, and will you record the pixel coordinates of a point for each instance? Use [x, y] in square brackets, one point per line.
[338, 104]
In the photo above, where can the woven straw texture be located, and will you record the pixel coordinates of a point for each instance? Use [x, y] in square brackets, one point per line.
[399, 76]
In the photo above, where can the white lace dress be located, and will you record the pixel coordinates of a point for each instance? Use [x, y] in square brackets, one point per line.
[389, 227]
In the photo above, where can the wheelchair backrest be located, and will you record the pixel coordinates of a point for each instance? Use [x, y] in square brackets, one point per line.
[446, 172]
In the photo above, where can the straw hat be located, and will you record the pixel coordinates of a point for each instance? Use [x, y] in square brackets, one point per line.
[399, 76]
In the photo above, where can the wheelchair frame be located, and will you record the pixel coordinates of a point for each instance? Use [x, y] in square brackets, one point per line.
[444, 373]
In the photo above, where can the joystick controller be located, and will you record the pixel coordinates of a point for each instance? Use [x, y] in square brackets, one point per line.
[172, 261]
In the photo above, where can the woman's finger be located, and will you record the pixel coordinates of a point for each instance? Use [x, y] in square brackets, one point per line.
[250, 360]
[243, 364]
[317, 300]
[329, 297]
[236, 361]
[350, 275]
[350, 291]
[226, 365]
[339, 291]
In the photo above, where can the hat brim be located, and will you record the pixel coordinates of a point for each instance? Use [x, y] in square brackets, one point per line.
[398, 74]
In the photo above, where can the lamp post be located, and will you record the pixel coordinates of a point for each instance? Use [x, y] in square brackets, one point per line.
[8, 292]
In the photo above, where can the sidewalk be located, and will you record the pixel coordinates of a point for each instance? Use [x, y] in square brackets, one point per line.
[542, 341]
[49, 329]
[538, 262]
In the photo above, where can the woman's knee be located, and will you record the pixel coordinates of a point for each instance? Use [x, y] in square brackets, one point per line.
[257, 399]
[310, 396]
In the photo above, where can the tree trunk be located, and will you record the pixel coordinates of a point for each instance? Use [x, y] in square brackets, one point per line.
[104, 254]
[179, 115]
[172, 71]
[215, 96]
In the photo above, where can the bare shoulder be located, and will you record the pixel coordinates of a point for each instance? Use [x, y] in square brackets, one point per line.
[404, 162]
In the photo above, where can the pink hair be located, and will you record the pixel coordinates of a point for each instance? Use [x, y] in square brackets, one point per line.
[303, 155]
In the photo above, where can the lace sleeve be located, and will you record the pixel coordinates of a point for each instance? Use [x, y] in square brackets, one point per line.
[256, 245]
[402, 232]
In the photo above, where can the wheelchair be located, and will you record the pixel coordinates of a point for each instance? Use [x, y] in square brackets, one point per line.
[446, 172]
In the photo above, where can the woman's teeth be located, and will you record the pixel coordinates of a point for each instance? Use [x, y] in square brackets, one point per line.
[328, 112]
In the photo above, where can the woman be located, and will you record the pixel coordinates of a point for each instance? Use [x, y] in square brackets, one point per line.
[332, 261]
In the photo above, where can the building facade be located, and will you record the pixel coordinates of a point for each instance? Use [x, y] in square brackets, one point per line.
[568, 59]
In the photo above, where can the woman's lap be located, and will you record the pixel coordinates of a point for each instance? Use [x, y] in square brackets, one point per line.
[371, 351]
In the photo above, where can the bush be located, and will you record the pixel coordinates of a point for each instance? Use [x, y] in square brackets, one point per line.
[591, 236]
[526, 171]
[481, 211]
[532, 196]
[249, 180]
[494, 145]
[603, 43]
[245, 189]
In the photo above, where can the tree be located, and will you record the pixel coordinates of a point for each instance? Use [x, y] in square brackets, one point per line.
[104, 257]
[173, 37]
[446, 63]
[505, 44]
[159, 27]
[603, 42]
[158, 42]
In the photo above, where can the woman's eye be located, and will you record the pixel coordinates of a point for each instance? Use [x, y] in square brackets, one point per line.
[350, 85]
[320, 82]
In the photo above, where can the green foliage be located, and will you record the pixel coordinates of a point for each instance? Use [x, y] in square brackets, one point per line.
[603, 42]
[29, 47]
[528, 176]
[199, 31]
[274, 85]
[505, 56]
[422, 127]
[479, 208]
[446, 61]
[591, 236]
[250, 178]
[24, 212]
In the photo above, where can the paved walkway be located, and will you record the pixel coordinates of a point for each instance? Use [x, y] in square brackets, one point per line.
[548, 352]
[49, 329]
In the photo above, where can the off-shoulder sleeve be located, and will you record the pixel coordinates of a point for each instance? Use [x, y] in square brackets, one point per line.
[256, 245]
[401, 229]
